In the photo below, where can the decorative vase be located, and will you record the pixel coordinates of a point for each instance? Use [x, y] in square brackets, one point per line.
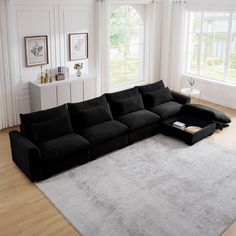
[78, 72]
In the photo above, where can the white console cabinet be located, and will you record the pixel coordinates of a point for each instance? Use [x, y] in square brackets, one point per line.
[73, 89]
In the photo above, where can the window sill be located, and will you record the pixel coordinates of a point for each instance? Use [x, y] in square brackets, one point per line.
[209, 80]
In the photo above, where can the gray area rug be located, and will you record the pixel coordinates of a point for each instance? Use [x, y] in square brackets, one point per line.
[155, 187]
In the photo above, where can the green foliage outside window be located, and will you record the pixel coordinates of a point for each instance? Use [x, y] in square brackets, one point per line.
[125, 46]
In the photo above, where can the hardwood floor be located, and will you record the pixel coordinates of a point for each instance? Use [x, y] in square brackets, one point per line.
[24, 210]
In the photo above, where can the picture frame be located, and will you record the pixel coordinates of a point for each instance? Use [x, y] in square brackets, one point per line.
[36, 50]
[78, 46]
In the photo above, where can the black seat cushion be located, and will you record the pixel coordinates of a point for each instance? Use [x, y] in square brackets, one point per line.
[206, 113]
[149, 88]
[156, 98]
[127, 105]
[63, 146]
[41, 116]
[167, 109]
[89, 113]
[104, 132]
[139, 119]
[47, 130]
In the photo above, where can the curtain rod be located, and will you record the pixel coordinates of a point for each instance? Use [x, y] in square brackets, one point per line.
[141, 1]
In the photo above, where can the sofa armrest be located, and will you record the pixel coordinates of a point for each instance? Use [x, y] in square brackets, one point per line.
[180, 98]
[26, 155]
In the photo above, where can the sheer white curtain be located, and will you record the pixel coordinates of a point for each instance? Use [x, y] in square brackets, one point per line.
[8, 105]
[102, 44]
[167, 41]
[155, 8]
[177, 44]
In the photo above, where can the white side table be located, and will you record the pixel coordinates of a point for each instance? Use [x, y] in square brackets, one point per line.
[191, 92]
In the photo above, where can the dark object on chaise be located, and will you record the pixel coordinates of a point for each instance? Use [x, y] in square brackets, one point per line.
[56, 139]
[196, 115]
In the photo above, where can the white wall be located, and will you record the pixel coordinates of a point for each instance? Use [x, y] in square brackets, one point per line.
[220, 93]
[56, 19]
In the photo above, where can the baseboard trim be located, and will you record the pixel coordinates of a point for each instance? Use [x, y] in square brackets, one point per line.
[216, 101]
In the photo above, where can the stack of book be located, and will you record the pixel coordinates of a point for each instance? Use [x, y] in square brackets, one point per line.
[179, 125]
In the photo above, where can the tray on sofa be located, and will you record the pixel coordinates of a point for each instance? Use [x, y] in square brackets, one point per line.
[207, 128]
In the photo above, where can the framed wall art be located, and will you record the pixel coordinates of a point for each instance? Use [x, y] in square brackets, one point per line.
[78, 46]
[36, 50]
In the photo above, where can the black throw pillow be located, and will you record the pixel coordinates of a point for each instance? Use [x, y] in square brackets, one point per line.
[51, 129]
[127, 105]
[149, 88]
[93, 116]
[156, 98]
[88, 113]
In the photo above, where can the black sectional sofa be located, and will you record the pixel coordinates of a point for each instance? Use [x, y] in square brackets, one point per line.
[53, 140]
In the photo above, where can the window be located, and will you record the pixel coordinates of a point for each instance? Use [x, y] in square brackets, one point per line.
[211, 49]
[126, 46]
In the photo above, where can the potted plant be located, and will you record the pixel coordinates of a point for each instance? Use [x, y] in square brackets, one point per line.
[78, 67]
[191, 82]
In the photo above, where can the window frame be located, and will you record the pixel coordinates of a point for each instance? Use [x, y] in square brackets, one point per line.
[144, 45]
[197, 75]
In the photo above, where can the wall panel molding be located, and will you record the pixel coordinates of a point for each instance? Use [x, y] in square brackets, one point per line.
[53, 18]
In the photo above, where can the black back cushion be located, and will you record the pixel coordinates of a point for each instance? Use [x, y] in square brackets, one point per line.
[51, 129]
[99, 101]
[156, 98]
[149, 88]
[41, 116]
[127, 105]
[89, 113]
[113, 97]
[119, 104]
